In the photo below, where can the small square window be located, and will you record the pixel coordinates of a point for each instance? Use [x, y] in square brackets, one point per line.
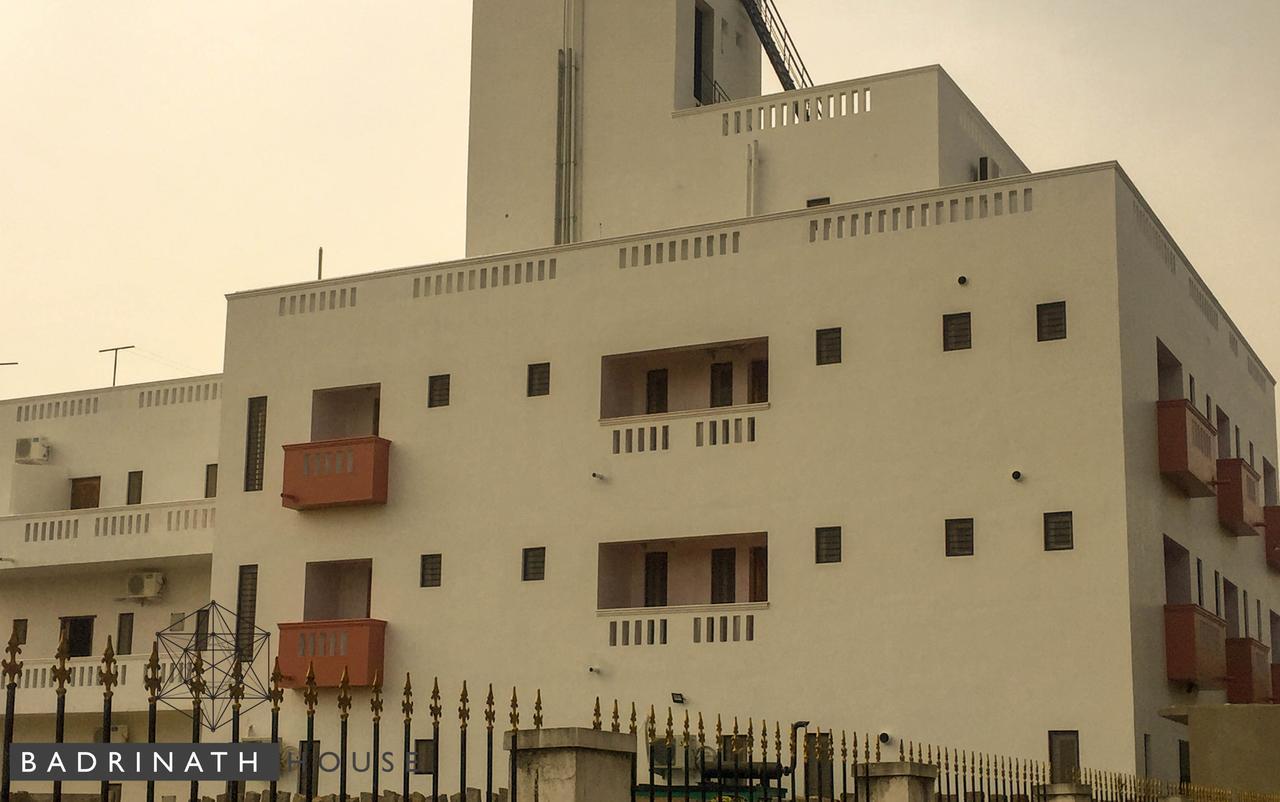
[539, 382]
[957, 332]
[827, 543]
[828, 346]
[1051, 321]
[431, 569]
[424, 756]
[1058, 535]
[438, 390]
[815, 202]
[533, 564]
[959, 533]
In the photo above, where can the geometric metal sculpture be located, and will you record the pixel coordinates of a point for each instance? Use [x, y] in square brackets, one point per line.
[216, 636]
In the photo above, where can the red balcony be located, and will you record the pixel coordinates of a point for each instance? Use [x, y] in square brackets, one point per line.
[1271, 515]
[335, 473]
[1195, 645]
[1248, 671]
[355, 644]
[1239, 502]
[1188, 443]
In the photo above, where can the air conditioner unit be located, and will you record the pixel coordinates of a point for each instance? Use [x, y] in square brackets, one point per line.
[32, 451]
[144, 586]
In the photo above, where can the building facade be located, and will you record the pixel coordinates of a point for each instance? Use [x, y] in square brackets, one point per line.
[813, 405]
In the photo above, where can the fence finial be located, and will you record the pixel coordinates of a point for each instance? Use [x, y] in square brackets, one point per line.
[901, 755]
[764, 740]
[777, 739]
[310, 695]
[277, 692]
[344, 695]
[406, 705]
[151, 674]
[650, 727]
[685, 740]
[537, 710]
[633, 719]
[464, 708]
[489, 714]
[615, 724]
[844, 750]
[108, 675]
[596, 722]
[11, 665]
[60, 673]
[375, 696]
[196, 682]
[236, 691]
[434, 708]
[670, 732]
[515, 711]
[702, 740]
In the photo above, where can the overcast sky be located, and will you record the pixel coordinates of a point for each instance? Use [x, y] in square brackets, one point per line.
[156, 155]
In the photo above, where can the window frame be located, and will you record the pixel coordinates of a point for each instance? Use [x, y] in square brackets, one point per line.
[527, 554]
[439, 390]
[947, 336]
[828, 531]
[949, 542]
[1049, 518]
[431, 566]
[824, 352]
[538, 380]
[1046, 325]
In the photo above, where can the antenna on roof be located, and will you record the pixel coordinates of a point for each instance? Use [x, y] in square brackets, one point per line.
[115, 359]
[7, 364]
[320, 264]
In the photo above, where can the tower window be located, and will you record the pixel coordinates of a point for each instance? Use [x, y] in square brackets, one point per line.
[827, 544]
[1051, 321]
[957, 332]
[959, 537]
[828, 345]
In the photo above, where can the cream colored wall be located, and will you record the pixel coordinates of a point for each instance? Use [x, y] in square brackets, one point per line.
[964, 136]
[170, 441]
[1235, 746]
[887, 445]
[1156, 302]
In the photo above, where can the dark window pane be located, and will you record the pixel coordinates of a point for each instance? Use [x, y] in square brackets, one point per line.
[956, 332]
[724, 580]
[758, 382]
[424, 756]
[722, 384]
[246, 611]
[959, 534]
[135, 488]
[828, 343]
[655, 579]
[255, 449]
[539, 381]
[432, 569]
[438, 390]
[1064, 756]
[1051, 321]
[20, 630]
[124, 634]
[759, 573]
[211, 481]
[533, 566]
[655, 392]
[827, 544]
[1058, 535]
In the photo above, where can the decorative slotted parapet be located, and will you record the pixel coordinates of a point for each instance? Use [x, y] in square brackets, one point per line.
[1195, 645]
[354, 644]
[336, 473]
[1239, 498]
[1248, 671]
[1188, 445]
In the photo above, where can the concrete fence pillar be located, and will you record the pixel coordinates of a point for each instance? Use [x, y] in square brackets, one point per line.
[1066, 792]
[898, 782]
[572, 764]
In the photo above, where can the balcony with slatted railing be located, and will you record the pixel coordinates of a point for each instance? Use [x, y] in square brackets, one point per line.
[330, 647]
[1187, 447]
[107, 534]
[1195, 642]
[336, 473]
[1248, 671]
[1239, 498]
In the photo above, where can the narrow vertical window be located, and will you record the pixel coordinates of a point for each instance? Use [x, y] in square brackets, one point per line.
[533, 564]
[759, 580]
[758, 382]
[1051, 321]
[211, 480]
[134, 493]
[827, 345]
[655, 391]
[655, 579]
[246, 611]
[124, 634]
[431, 571]
[20, 630]
[722, 384]
[957, 332]
[724, 576]
[1064, 755]
[827, 544]
[255, 449]
[1200, 582]
[438, 390]
[1058, 531]
[539, 379]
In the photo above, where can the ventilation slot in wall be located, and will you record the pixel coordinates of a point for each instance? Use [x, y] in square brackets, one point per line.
[888, 219]
[453, 281]
[830, 105]
[703, 246]
[306, 303]
[640, 439]
[66, 408]
[725, 431]
[178, 394]
[724, 628]
[640, 632]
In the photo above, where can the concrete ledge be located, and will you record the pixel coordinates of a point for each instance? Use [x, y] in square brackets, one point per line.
[572, 738]
[898, 769]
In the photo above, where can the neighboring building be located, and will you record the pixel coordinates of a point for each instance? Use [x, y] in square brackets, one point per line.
[810, 405]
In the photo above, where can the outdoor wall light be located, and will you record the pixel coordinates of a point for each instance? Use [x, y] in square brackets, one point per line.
[1016, 476]
[963, 280]
[599, 476]
[677, 698]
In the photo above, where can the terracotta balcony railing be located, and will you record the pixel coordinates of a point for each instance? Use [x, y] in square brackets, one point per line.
[1271, 515]
[1239, 498]
[1187, 443]
[335, 473]
[1195, 645]
[355, 644]
[1248, 671]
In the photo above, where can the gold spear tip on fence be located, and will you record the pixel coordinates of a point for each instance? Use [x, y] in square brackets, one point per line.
[537, 710]
[489, 714]
[464, 707]
[616, 723]
[344, 693]
[596, 722]
[633, 718]
[310, 695]
[515, 711]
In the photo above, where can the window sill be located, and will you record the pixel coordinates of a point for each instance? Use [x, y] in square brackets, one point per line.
[684, 413]
[675, 609]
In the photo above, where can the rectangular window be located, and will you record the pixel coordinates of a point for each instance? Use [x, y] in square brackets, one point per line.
[827, 344]
[533, 564]
[1058, 534]
[201, 637]
[1200, 582]
[308, 767]
[85, 492]
[431, 571]
[255, 449]
[211, 481]
[539, 379]
[959, 537]
[438, 390]
[655, 579]
[78, 632]
[246, 611]
[424, 756]
[124, 633]
[20, 630]
[758, 382]
[1051, 321]
[724, 576]
[1064, 755]
[815, 202]
[655, 391]
[957, 332]
[827, 544]
[722, 384]
[1217, 594]
[759, 573]
[1184, 761]
[134, 492]
[177, 622]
